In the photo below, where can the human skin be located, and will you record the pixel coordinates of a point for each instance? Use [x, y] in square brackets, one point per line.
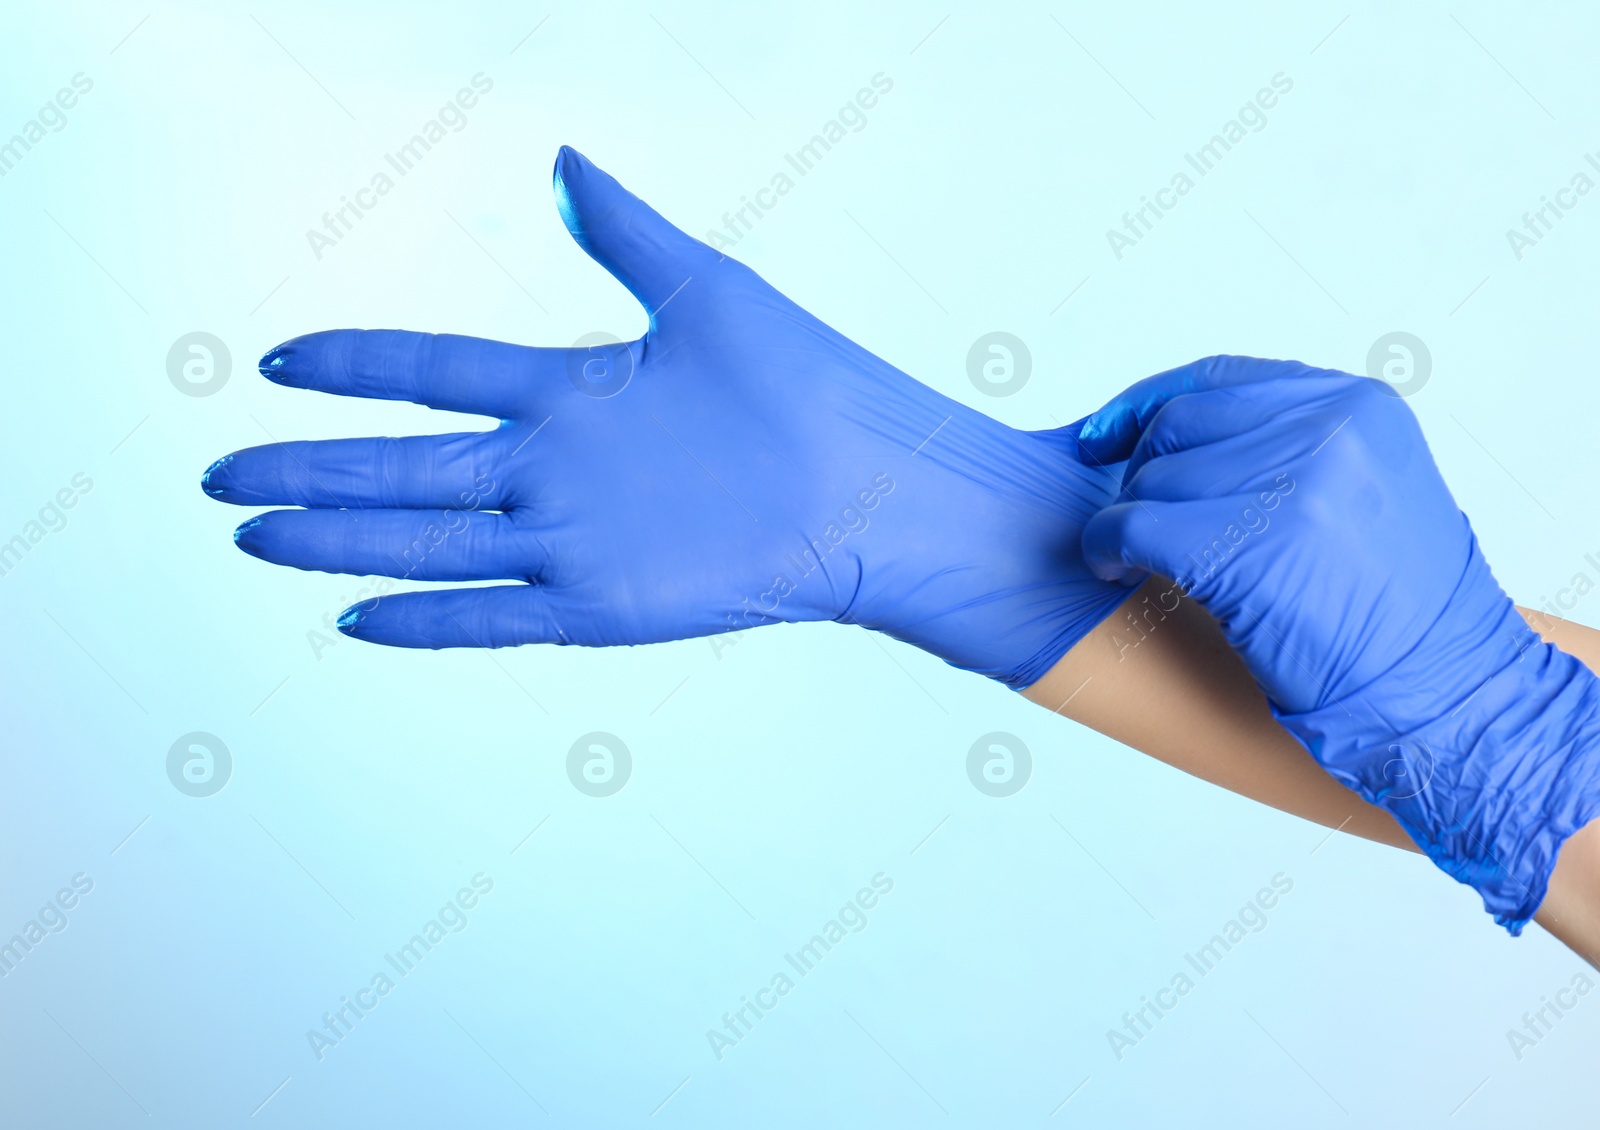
[1158, 675]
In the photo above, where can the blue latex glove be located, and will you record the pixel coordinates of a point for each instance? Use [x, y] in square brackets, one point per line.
[741, 464]
[1303, 509]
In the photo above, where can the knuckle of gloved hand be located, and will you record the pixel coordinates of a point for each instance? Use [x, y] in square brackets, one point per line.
[724, 276]
[1169, 421]
[1155, 479]
[1379, 426]
[1322, 490]
[420, 361]
[1367, 396]
[1138, 533]
[1187, 423]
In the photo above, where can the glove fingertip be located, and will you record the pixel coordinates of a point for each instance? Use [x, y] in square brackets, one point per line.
[1106, 436]
[1115, 572]
[250, 537]
[350, 620]
[1093, 447]
[274, 363]
[1100, 549]
[214, 480]
[568, 179]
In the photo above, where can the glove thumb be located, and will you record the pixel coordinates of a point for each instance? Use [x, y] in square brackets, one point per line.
[1185, 541]
[623, 234]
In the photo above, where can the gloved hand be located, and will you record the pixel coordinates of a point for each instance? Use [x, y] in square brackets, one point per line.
[1303, 509]
[741, 464]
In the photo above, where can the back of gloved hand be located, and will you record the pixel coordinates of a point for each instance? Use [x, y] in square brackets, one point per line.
[1303, 509]
[741, 464]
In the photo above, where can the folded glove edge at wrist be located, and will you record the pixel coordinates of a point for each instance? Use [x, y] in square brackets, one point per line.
[1079, 626]
[1491, 789]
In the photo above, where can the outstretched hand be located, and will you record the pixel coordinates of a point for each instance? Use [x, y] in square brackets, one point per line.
[741, 464]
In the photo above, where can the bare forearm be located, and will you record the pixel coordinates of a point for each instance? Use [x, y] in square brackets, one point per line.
[1159, 677]
[1167, 684]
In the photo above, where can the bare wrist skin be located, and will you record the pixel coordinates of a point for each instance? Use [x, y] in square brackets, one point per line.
[1158, 676]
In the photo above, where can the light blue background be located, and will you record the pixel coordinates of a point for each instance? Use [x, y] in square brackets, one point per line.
[772, 779]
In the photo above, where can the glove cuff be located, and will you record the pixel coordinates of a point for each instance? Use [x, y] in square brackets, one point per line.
[1491, 788]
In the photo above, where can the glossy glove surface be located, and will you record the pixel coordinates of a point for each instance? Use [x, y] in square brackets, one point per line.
[741, 464]
[1303, 509]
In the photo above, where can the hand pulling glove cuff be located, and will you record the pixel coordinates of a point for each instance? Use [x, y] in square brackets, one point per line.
[1314, 525]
